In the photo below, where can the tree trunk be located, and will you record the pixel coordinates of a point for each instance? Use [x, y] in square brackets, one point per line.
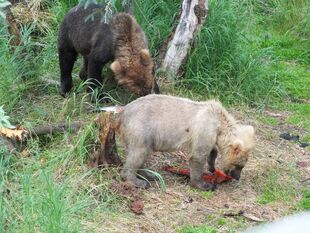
[193, 15]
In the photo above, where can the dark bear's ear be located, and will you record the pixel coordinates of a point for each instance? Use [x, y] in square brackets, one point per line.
[116, 67]
[145, 57]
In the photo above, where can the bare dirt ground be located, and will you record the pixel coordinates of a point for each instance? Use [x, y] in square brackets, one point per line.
[234, 205]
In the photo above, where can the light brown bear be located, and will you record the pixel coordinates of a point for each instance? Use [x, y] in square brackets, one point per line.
[166, 123]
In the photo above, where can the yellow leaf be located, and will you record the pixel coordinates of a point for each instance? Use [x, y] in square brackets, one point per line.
[18, 133]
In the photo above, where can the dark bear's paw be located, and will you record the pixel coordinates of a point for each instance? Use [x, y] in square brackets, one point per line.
[83, 75]
[140, 183]
[64, 94]
[147, 175]
[202, 185]
[65, 88]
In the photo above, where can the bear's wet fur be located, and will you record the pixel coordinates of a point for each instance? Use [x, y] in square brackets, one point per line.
[121, 41]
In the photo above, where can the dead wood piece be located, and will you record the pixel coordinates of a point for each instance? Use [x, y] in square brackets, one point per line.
[234, 214]
[163, 48]
[21, 134]
[14, 140]
[54, 128]
[192, 17]
[13, 28]
[243, 214]
[107, 154]
[252, 217]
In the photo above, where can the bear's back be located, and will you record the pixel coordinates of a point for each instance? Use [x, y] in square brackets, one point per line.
[83, 29]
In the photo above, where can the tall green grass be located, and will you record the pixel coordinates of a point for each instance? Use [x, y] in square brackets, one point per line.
[15, 65]
[284, 15]
[51, 191]
[286, 25]
[157, 20]
[223, 62]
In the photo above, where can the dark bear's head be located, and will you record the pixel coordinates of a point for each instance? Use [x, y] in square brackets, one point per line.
[138, 76]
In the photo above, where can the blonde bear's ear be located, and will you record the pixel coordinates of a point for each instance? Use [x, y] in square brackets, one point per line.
[249, 130]
[246, 134]
[237, 146]
[116, 67]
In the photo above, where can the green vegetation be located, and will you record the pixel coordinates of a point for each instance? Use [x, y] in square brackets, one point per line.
[273, 188]
[268, 120]
[205, 194]
[198, 229]
[224, 64]
[305, 201]
[284, 33]
[250, 52]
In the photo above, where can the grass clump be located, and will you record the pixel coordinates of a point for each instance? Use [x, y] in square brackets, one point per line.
[283, 15]
[204, 194]
[197, 229]
[276, 188]
[268, 120]
[222, 63]
[52, 191]
[156, 17]
[305, 201]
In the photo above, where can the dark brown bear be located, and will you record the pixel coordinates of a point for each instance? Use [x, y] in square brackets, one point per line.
[121, 41]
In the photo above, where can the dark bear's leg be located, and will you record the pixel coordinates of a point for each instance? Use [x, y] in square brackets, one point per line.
[83, 71]
[94, 74]
[211, 160]
[66, 61]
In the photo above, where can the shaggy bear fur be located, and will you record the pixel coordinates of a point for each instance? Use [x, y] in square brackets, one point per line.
[121, 41]
[165, 123]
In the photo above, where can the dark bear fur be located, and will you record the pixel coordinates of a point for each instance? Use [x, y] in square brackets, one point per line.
[121, 41]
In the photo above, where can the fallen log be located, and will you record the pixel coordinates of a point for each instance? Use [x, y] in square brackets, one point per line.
[14, 140]
[55, 128]
[21, 134]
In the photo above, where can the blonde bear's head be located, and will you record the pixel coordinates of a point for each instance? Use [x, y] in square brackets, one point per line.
[237, 149]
